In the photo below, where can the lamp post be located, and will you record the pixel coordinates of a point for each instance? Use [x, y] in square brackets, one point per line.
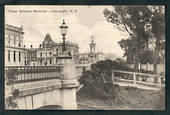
[69, 81]
[63, 29]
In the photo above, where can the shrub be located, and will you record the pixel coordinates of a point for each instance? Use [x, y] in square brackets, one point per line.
[100, 74]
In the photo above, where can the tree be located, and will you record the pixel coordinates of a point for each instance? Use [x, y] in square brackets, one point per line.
[158, 31]
[147, 56]
[133, 20]
[100, 76]
[130, 49]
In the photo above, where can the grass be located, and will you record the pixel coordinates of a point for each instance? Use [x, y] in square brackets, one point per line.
[128, 98]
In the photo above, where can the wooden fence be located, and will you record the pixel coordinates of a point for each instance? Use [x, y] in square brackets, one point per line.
[138, 78]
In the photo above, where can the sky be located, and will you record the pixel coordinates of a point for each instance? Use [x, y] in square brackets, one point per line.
[83, 21]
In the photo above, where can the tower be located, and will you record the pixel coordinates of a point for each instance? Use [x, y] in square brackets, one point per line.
[92, 45]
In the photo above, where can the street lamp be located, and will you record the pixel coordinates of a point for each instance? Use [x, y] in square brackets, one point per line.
[63, 29]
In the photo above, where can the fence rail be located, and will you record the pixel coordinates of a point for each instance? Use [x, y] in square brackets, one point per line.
[138, 78]
[23, 74]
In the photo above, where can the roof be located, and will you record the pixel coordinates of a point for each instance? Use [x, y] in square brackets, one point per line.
[48, 39]
[14, 28]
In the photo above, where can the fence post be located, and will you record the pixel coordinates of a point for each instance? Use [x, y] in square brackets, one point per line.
[139, 66]
[134, 79]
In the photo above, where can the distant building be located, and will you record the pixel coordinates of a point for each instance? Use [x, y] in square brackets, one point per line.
[14, 48]
[83, 58]
[49, 51]
[92, 56]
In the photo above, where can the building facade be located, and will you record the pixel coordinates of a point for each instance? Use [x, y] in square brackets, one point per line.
[15, 50]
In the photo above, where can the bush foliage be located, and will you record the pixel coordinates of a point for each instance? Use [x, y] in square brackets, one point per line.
[100, 75]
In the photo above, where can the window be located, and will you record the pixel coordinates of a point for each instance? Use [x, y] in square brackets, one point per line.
[50, 61]
[56, 60]
[14, 40]
[19, 56]
[14, 56]
[25, 62]
[50, 53]
[34, 54]
[84, 69]
[9, 37]
[8, 55]
[40, 62]
[19, 44]
[40, 54]
[57, 51]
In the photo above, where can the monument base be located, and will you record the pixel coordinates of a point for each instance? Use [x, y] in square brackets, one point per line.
[68, 98]
[69, 83]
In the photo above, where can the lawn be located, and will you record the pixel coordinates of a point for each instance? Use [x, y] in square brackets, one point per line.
[91, 97]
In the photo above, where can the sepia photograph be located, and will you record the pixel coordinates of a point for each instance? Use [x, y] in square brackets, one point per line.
[84, 57]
